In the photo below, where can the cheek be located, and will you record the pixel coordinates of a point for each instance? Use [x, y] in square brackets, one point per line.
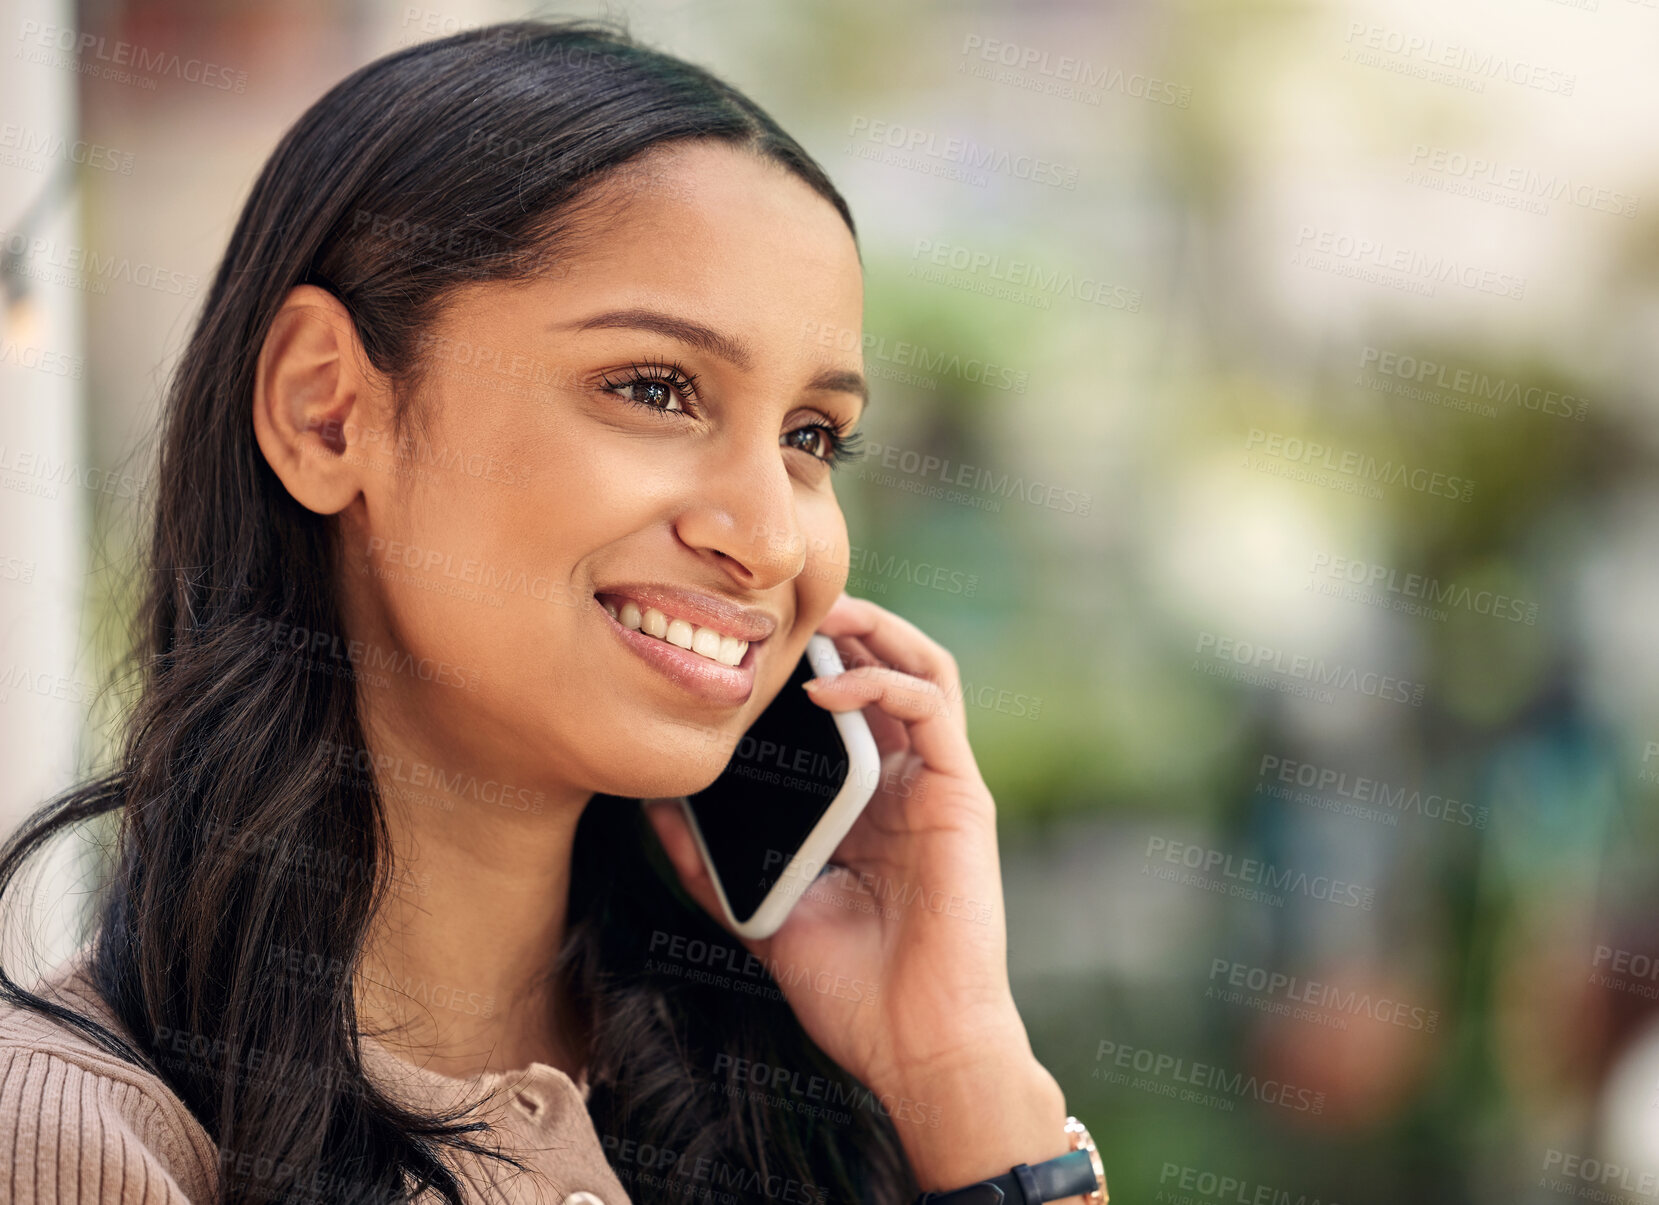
[475, 557]
[522, 488]
[826, 571]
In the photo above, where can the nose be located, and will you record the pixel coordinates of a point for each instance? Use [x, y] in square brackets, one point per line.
[743, 514]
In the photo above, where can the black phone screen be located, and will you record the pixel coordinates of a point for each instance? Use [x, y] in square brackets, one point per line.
[785, 772]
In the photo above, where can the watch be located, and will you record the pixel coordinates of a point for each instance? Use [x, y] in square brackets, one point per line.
[1079, 1173]
[1081, 1141]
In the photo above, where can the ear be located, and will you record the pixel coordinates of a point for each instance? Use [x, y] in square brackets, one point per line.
[316, 400]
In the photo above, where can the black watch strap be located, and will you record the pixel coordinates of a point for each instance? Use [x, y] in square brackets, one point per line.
[1027, 1184]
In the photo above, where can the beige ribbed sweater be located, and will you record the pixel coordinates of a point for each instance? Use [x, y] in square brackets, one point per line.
[79, 1125]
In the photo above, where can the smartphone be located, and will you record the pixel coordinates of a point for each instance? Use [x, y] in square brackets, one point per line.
[797, 780]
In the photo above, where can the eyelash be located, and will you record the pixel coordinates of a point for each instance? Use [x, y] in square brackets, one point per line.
[845, 445]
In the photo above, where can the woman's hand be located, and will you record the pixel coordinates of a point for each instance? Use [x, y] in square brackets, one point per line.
[912, 911]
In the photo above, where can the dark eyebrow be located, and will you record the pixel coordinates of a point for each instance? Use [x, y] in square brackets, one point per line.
[686, 331]
[836, 381]
[734, 351]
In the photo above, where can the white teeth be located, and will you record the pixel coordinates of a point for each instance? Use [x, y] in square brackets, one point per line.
[706, 642]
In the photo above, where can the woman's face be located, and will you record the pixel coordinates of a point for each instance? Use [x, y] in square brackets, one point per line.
[543, 485]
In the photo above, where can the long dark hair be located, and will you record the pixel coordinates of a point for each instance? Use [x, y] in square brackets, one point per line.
[458, 160]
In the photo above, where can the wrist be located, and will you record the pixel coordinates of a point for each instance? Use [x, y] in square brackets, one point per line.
[991, 1116]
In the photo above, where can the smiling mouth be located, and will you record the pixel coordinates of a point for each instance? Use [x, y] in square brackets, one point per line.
[705, 642]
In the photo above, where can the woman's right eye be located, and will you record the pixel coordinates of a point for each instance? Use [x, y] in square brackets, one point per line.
[653, 393]
[665, 388]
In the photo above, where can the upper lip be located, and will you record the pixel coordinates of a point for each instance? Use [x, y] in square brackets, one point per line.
[702, 610]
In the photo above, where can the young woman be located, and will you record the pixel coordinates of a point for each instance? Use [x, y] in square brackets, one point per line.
[523, 336]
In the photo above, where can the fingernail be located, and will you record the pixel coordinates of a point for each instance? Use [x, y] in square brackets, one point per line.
[812, 682]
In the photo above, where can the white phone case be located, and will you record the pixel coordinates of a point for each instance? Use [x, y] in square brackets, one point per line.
[863, 773]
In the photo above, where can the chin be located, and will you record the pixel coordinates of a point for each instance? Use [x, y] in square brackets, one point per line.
[675, 765]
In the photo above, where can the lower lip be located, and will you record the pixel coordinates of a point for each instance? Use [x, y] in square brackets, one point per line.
[724, 684]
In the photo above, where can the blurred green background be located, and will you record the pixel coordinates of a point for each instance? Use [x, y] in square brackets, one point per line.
[1128, 265]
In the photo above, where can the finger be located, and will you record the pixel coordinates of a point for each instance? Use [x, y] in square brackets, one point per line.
[890, 733]
[891, 638]
[869, 843]
[935, 728]
[840, 891]
[854, 652]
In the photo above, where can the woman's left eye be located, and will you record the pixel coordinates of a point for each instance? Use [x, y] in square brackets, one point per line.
[819, 442]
